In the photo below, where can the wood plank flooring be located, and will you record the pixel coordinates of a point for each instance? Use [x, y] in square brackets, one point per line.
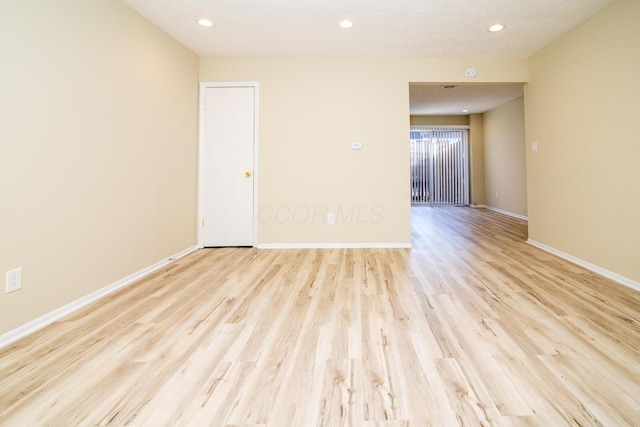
[471, 327]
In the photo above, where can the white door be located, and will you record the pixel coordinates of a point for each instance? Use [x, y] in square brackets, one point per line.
[227, 183]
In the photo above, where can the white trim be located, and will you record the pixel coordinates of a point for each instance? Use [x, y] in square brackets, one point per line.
[201, 122]
[201, 118]
[592, 267]
[515, 215]
[43, 321]
[477, 206]
[334, 245]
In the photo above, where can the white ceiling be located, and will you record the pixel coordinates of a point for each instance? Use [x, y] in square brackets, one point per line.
[429, 28]
[429, 99]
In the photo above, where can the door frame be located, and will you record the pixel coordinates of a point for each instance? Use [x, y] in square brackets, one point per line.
[201, 146]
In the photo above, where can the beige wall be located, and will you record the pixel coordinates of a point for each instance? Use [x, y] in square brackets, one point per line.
[581, 107]
[311, 109]
[504, 158]
[440, 120]
[476, 159]
[98, 137]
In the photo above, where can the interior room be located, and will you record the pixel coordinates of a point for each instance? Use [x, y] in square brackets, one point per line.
[344, 303]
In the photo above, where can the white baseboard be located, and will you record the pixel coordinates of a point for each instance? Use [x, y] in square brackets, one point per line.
[503, 212]
[42, 321]
[477, 206]
[333, 245]
[592, 267]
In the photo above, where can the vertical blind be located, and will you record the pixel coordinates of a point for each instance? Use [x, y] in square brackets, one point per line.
[439, 167]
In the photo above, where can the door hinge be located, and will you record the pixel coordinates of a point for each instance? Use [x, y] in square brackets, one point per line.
[205, 105]
[203, 222]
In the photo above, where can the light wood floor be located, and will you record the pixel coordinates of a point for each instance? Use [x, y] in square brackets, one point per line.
[471, 327]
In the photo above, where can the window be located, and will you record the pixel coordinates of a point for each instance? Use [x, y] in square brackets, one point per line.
[439, 166]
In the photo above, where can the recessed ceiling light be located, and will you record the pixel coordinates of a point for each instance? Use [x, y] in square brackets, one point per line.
[205, 22]
[346, 23]
[496, 27]
[465, 111]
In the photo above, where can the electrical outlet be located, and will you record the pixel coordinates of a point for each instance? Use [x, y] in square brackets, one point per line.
[331, 219]
[496, 194]
[14, 280]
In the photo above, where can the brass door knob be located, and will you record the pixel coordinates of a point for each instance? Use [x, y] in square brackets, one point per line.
[247, 174]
